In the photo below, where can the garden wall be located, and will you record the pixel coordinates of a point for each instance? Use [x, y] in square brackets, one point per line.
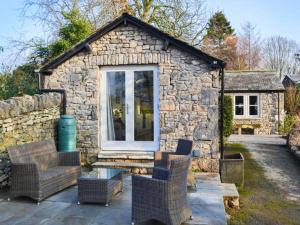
[293, 142]
[26, 119]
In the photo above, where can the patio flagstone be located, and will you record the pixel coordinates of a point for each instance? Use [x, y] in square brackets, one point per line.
[61, 209]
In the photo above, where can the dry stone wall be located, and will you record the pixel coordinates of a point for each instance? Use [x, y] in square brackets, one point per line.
[188, 90]
[293, 142]
[23, 120]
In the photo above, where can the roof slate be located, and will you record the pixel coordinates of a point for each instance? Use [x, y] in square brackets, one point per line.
[252, 81]
[294, 77]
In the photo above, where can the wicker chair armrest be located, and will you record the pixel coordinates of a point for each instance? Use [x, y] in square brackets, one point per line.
[161, 159]
[69, 158]
[160, 173]
[24, 170]
[149, 191]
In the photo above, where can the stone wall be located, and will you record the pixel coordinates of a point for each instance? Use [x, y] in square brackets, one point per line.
[293, 142]
[267, 122]
[188, 90]
[26, 119]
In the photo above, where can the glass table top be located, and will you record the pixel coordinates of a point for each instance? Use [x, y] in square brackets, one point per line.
[102, 173]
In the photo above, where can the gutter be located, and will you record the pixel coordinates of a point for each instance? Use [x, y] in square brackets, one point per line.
[61, 91]
[254, 91]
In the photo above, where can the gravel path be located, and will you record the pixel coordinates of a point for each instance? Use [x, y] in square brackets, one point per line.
[280, 166]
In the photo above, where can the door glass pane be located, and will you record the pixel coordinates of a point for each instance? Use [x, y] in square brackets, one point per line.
[143, 106]
[116, 106]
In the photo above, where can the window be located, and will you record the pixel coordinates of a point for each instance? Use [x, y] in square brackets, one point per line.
[253, 105]
[246, 106]
[239, 105]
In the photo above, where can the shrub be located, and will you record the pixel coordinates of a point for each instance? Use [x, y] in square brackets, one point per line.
[288, 124]
[228, 115]
[21, 81]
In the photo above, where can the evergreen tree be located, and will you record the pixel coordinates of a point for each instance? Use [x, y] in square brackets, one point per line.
[75, 29]
[219, 29]
[220, 40]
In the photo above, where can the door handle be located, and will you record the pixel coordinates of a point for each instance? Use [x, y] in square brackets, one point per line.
[126, 108]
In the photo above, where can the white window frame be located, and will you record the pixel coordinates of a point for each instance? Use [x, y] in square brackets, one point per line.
[129, 144]
[234, 106]
[247, 105]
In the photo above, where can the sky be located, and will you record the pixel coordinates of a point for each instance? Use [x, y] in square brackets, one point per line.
[12, 24]
[271, 17]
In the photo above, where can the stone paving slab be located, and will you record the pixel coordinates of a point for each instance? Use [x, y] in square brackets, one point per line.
[229, 190]
[61, 209]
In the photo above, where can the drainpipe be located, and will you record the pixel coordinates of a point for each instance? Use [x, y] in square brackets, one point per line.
[61, 91]
[278, 102]
[221, 72]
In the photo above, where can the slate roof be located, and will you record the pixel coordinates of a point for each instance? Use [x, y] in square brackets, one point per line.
[243, 81]
[125, 19]
[294, 77]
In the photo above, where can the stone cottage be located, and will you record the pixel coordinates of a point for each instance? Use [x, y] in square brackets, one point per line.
[135, 89]
[291, 80]
[258, 101]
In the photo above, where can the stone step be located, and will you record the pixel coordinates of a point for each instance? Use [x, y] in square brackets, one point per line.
[126, 155]
[133, 167]
[230, 195]
[149, 165]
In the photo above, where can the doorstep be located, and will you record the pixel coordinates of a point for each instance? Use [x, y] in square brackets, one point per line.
[126, 155]
[149, 165]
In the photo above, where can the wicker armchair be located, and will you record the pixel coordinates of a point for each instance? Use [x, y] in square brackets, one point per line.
[184, 147]
[39, 171]
[164, 196]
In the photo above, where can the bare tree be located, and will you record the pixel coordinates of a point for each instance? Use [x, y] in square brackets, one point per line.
[49, 13]
[249, 45]
[185, 19]
[280, 55]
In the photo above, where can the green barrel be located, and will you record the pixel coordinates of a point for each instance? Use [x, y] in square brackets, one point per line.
[67, 134]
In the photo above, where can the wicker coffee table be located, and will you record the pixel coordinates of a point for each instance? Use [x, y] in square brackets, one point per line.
[99, 185]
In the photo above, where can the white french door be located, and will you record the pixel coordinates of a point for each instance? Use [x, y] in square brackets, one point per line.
[129, 108]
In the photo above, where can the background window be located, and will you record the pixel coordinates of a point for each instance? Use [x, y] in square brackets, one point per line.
[239, 105]
[253, 105]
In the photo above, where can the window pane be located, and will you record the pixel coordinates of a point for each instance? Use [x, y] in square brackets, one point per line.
[143, 106]
[253, 100]
[239, 110]
[253, 110]
[116, 106]
[239, 100]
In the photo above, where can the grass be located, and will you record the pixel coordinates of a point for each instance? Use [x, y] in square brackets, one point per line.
[261, 201]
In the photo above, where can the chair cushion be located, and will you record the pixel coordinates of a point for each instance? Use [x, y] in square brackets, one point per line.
[184, 147]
